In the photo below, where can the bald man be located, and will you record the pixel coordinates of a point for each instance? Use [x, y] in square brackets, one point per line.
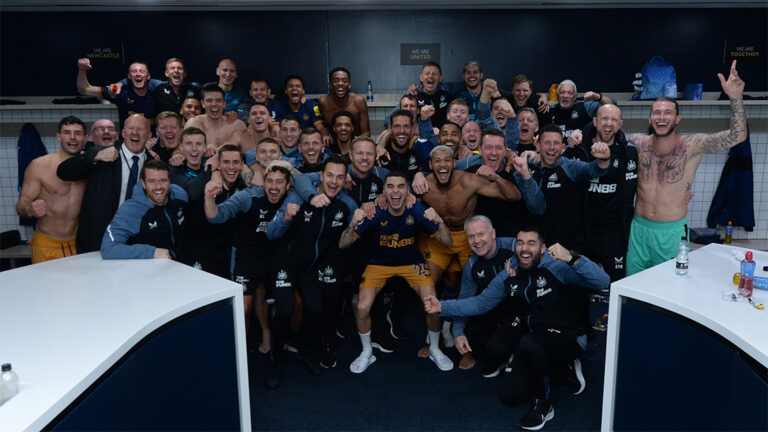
[227, 73]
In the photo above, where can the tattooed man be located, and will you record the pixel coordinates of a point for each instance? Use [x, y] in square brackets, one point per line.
[667, 165]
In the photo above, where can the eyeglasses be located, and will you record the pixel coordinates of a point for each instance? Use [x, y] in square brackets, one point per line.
[104, 129]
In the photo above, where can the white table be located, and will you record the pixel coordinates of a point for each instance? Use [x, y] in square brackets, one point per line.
[695, 297]
[64, 324]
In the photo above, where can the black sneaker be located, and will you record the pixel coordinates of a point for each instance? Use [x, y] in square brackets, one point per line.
[542, 412]
[395, 326]
[328, 357]
[491, 370]
[576, 380]
[383, 344]
[272, 377]
[310, 363]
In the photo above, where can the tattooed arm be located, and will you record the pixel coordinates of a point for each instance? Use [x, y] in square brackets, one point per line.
[733, 87]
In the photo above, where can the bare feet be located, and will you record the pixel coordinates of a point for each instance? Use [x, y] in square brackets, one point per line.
[467, 361]
[424, 352]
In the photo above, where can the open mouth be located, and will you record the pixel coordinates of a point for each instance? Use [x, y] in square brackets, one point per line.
[295, 97]
[273, 195]
[525, 258]
[443, 175]
[331, 190]
[396, 201]
[341, 91]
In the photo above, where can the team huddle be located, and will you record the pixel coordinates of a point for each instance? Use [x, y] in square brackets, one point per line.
[502, 213]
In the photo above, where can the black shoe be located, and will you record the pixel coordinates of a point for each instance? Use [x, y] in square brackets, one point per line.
[541, 413]
[576, 380]
[310, 363]
[328, 357]
[395, 326]
[272, 378]
[383, 344]
[491, 370]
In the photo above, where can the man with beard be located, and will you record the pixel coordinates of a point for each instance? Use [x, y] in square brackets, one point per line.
[189, 108]
[395, 254]
[103, 134]
[258, 129]
[400, 155]
[307, 112]
[528, 123]
[227, 73]
[449, 136]
[667, 166]
[522, 92]
[147, 225]
[343, 127]
[341, 99]
[609, 203]
[468, 89]
[217, 127]
[546, 337]
[130, 100]
[168, 135]
[54, 202]
[251, 209]
[259, 92]
[112, 173]
[310, 262]
[572, 115]
[206, 246]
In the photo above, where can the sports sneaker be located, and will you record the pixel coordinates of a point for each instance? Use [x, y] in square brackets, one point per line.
[328, 357]
[542, 412]
[383, 344]
[492, 370]
[361, 363]
[395, 326]
[447, 335]
[576, 379]
[441, 360]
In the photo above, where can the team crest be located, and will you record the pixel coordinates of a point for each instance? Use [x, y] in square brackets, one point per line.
[574, 114]
[409, 220]
[412, 160]
[282, 275]
[615, 163]
[631, 165]
[306, 117]
[338, 215]
[541, 281]
[197, 265]
[553, 177]
[374, 187]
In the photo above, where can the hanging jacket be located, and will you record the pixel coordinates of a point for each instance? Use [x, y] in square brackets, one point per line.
[733, 200]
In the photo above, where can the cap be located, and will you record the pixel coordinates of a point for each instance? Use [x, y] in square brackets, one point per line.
[6, 367]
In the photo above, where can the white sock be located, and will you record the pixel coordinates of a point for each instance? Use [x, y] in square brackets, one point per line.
[434, 340]
[365, 338]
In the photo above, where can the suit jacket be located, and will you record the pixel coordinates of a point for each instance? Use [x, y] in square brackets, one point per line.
[101, 198]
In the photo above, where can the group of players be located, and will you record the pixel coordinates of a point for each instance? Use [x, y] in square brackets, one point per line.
[504, 208]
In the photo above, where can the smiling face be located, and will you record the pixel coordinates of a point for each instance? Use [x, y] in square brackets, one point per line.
[363, 156]
[492, 151]
[472, 77]
[400, 130]
[529, 248]
[72, 138]
[193, 147]
[481, 238]
[276, 185]
[343, 128]
[550, 147]
[411, 105]
[340, 84]
[138, 75]
[294, 89]
[497, 114]
[259, 118]
[450, 135]
[311, 148]
[395, 192]
[227, 73]
[190, 108]
[529, 124]
[470, 135]
[442, 164]
[230, 165]
[289, 133]
[458, 114]
[175, 73]
[520, 93]
[213, 102]
[607, 122]
[566, 95]
[103, 132]
[267, 152]
[168, 132]
[430, 78]
[259, 91]
[136, 133]
[664, 118]
[157, 185]
[333, 179]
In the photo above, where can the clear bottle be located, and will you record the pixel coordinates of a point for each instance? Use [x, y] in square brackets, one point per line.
[728, 233]
[681, 262]
[9, 383]
[747, 275]
[369, 91]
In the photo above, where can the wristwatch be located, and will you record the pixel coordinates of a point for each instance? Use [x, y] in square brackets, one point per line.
[574, 257]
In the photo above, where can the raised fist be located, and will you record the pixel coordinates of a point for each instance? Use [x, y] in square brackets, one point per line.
[291, 210]
[84, 63]
[427, 111]
[38, 208]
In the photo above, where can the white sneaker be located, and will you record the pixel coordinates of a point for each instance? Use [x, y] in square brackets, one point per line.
[447, 335]
[362, 362]
[441, 360]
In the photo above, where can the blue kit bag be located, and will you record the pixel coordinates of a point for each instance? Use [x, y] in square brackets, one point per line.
[659, 79]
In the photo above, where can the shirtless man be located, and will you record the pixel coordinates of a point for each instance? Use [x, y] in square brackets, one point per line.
[56, 203]
[257, 130]
[666, 168]
[341, 99]
[218, 128]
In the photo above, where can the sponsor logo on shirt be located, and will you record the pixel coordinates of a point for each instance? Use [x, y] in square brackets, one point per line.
[615, 163]
[512, 290]
[326, 275]
[263, 214]
[281, 277]
[542, 292]
[602, 188]
[481, 274]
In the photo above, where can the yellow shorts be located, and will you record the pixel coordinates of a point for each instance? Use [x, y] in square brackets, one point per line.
[375, 276]
[45, 248]
[447, 258]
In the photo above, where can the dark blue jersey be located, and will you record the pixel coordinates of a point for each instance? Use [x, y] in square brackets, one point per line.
[395, 236]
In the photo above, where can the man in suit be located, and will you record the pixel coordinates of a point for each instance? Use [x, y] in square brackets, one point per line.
[111, 174]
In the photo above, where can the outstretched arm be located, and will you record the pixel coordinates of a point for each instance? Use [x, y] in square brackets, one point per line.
[83, 86]
[737, 133]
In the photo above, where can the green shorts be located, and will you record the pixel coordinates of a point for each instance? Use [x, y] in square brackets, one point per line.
[652, 243]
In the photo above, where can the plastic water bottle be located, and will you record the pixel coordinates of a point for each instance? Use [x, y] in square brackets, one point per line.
[681, 262]
[369, 91]
[728, 233]
[9, 383]
[747, 275]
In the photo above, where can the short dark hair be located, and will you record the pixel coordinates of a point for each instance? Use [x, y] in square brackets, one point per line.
[258, 103]
[289, 117]
[449, 123]
[530, 227]
[228, 148]
[498, 98]
[396, 174]
[293, 76]
[154, 164]
[401, 113]
[522, 78]
[342, 114]
[192, 131]
[281, 169]
[211, 88]
[552, 128]
[258, 80]
[492, 132]
[308, 131]
[335, 158]
[70, 120]
[339, 69]
[667, 99]
[268, 140]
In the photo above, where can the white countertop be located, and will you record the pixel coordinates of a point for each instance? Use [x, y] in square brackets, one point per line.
[63, 323]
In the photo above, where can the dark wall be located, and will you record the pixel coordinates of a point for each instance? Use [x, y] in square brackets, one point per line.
[599, 49]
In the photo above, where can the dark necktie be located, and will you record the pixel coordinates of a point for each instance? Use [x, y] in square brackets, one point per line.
[132, 177]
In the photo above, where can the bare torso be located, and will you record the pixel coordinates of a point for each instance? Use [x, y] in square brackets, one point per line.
[665, 176]
[217, 132]
[354, 103]
[62, 198]
[455, 203]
